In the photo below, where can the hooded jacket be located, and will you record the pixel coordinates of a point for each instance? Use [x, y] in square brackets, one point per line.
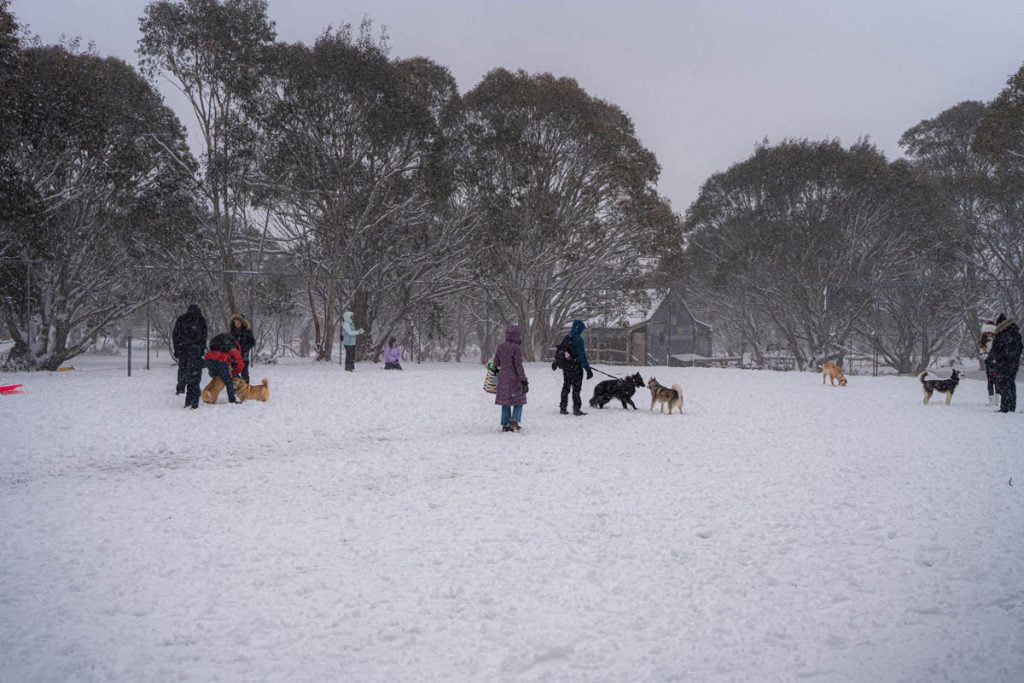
[244, 337]
[575, 336]
[233, 359]
[189, 332]
[1004, 356]
[511, 375]
[348, 330]
[392, 354]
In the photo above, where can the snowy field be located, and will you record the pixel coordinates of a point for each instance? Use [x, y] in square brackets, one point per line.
[377, 526]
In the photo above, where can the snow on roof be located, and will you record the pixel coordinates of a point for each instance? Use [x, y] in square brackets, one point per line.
[633, 315]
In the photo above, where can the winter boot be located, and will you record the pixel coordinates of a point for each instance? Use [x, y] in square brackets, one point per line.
[577, 412]
[513, 426]
[563, 411]
[506, 428]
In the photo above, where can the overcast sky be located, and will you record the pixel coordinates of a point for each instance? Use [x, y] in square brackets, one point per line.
[703, 80]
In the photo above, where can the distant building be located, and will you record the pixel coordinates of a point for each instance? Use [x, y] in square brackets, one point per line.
[665, 333]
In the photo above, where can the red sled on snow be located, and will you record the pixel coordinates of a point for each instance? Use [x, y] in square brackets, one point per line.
[11, 389]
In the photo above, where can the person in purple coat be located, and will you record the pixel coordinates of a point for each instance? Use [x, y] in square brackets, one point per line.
[512, 382]
[392, 355]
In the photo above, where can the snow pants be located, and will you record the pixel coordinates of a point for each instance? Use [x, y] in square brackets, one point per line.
[572, 379]
[193, 364]
[1007, 389]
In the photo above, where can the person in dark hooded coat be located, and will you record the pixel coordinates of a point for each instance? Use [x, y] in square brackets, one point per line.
[572, 372]
[1004, 361]
[242, 333]
[512, 382]
[188, 343]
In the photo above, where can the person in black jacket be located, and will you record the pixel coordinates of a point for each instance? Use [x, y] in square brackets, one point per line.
[242, 332]
[1004, 361]
[188, 343]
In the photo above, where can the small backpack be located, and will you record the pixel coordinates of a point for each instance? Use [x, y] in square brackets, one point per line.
[565, 353]
[223, 342]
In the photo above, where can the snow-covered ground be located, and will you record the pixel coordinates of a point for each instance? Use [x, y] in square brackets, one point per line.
[377, 526]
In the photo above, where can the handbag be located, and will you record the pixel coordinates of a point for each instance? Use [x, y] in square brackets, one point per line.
[491, 379]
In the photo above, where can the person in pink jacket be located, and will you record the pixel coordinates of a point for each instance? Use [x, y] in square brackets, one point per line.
[392, 355]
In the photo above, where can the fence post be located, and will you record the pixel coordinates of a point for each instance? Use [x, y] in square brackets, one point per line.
[129, 354]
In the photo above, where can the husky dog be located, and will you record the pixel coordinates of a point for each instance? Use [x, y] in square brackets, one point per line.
[833, 372]
[662, 394]
[943, 386]
[622, 389]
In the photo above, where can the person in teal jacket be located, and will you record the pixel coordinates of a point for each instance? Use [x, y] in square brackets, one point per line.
[572, 370]
[349, 336]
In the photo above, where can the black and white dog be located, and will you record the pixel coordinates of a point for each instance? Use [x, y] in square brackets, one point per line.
[943, 386]
[622, 389]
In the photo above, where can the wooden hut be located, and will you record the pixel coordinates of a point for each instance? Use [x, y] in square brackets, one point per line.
[664, 333]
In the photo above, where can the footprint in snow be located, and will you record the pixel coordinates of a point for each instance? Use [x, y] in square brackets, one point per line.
[930, 555]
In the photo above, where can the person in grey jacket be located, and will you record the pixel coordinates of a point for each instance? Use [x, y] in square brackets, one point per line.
[349, 337]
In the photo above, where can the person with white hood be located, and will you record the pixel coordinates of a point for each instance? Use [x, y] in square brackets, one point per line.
[349, 336]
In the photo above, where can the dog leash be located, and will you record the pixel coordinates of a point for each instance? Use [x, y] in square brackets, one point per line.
[604, 373]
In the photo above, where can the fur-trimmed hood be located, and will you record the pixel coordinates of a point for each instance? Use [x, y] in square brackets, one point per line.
[1005, 325]
[240, 317]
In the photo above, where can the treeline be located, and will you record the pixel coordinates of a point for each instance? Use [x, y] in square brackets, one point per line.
[344, 177]
[826, 252]
[324, 176]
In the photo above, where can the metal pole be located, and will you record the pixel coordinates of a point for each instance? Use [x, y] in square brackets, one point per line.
[874, 361]
[668, 348]
[28, 304]
[487, 330]
[129, 354]
[148, 335]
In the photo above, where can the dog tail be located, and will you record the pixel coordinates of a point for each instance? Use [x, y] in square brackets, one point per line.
[679, 392]
[265, 382]
[921, 376]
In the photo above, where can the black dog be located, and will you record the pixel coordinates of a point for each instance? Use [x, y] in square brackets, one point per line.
[622, 389]
[943, 386]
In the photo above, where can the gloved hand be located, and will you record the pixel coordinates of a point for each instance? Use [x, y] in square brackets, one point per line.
[554, 365]
[526, 386]
[590, 374]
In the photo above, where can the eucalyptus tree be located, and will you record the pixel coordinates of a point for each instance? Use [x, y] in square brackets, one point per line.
[357, 175]
[793, 236]
[214, 52]
[942, 148]
[572, 218]
[1000, 137]
[101, 194]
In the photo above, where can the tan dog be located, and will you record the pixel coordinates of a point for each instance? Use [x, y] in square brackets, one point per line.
[212, 390]
[833, 372]
[662, 395]
[252, 392]
[243, 391]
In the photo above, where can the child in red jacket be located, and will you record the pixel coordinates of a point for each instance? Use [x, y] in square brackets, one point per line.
[225, 364]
